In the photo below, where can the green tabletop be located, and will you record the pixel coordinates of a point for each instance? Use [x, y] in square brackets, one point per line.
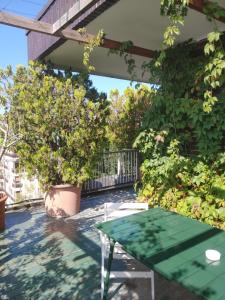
[173, 246]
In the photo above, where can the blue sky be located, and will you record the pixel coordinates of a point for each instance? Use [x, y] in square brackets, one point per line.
[13, 50]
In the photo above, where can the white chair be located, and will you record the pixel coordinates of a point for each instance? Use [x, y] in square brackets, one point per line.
[113, 211]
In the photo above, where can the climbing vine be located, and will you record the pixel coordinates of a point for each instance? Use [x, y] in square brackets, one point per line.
[182, 146]
[214, 51]
[182, 138]
[175, 11]
[214, 69]
[89, 47]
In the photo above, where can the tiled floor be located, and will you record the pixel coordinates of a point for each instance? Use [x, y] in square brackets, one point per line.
[44, 258]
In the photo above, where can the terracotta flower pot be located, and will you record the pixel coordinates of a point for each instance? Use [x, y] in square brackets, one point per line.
[63, 201]
[3, 198]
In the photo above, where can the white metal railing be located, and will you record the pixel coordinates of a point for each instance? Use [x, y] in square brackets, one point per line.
[114, 169]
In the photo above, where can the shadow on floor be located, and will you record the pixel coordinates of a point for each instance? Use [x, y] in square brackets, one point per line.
[44, 258]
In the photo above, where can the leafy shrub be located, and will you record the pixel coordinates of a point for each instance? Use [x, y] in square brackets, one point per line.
[184, 119]
[191, 186]
[62, 130]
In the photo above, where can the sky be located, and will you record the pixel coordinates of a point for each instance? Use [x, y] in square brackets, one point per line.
[13, 48]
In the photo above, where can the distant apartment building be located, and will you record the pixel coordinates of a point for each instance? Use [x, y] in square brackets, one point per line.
[16, 183]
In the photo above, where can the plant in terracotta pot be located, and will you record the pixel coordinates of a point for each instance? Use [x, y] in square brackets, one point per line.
[62, 132]
[3, 198]
[7, 136]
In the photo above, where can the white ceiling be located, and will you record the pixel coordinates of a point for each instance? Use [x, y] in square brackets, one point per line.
[138, 21]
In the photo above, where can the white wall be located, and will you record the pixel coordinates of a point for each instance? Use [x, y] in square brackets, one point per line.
[18, 186]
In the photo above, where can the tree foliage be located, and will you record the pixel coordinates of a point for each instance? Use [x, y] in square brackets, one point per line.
[78, 79]
[7, 136]
[62, 129]
[126, 114]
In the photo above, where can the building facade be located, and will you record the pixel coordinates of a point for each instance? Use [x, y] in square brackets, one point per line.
[16, 183]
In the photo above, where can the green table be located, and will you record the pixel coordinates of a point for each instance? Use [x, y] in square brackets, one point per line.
[173, 246]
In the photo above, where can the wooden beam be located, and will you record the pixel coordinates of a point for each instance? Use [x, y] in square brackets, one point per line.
[25, 23]
[69, 34]
[198, 5]
[111, 44]
[42, 27]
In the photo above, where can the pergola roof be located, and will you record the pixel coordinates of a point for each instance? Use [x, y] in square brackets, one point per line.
[54, 36]
[121, 20]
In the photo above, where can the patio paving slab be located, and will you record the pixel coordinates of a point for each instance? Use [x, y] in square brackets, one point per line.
[44, 258]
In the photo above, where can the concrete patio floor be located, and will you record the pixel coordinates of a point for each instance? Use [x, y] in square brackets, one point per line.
[44, 258]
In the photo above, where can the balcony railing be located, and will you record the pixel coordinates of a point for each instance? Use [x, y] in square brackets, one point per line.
[115, 169]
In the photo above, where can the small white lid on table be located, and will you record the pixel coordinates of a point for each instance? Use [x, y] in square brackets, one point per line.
[212, 255]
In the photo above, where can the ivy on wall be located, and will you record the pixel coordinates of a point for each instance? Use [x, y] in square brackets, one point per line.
[214, 66]
[183, 134]
[183, 146]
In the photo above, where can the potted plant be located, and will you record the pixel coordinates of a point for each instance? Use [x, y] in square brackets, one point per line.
[3, 198]
[62, 132]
